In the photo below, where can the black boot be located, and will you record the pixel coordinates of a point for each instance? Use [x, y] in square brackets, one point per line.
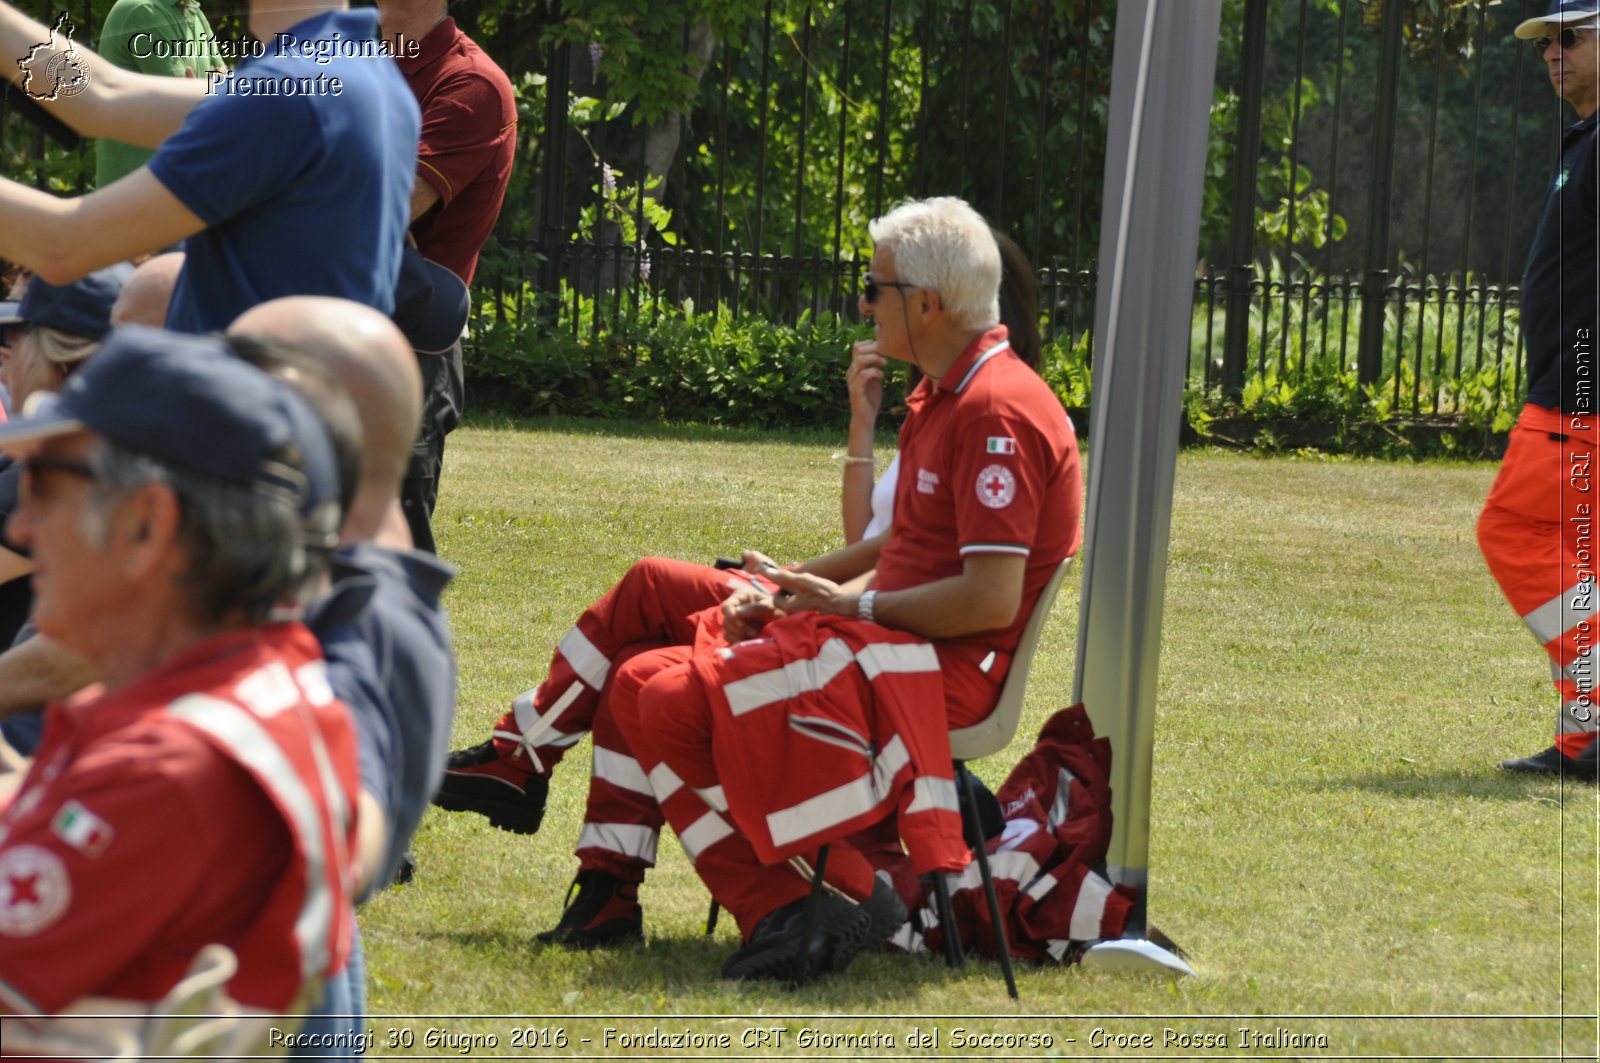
[1552, 761]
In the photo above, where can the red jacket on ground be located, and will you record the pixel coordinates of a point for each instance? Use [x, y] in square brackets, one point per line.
[850, 719]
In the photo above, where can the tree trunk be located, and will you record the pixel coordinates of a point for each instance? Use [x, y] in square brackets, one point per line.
[625, 146]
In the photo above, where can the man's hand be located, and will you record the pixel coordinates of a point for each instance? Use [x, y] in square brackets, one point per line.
[757, 563]
[984, 597]
[372, 842]
[745, 612]
[37, 671]
[13, 565]
[423, 197]
[801, 592]
[12, 762]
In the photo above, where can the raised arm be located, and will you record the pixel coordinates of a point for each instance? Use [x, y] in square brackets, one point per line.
[38, 671]
[865, 381]
[138, 109]
[63, 239]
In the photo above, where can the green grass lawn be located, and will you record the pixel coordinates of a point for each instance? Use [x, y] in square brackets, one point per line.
[1330, 840]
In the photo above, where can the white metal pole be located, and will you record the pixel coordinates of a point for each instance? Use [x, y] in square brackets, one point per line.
[1163, 67]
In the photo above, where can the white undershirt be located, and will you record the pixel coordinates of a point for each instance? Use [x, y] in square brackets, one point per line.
[883, 499]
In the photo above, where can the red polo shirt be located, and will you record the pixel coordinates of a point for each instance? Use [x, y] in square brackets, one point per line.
[469, 135]
[988, 464]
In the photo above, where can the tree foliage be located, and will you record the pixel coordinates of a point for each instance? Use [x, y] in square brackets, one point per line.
[810, 118]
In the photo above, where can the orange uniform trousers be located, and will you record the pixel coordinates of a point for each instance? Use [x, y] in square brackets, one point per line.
[1537, 533]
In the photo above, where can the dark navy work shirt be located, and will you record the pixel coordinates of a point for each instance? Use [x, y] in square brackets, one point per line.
[387, 642]
[1560, 307]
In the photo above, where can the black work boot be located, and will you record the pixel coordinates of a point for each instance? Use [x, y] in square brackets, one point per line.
[841, 928]
[1552, 761]
[606, 912]
[477, 780]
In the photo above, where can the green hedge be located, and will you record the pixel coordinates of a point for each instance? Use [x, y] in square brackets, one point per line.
[684, 366]
[694, 367]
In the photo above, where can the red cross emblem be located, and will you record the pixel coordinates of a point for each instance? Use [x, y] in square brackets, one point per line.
[34, 890]
[997, 486]
[24, 889]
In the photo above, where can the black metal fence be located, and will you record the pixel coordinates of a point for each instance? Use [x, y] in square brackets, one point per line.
[1429, 135]
[1376, 169]
[805, 129]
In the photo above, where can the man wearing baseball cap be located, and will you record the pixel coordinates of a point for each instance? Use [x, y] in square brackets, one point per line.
[195, 811]
[1536, 529]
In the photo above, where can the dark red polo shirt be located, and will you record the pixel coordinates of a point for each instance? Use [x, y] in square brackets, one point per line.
[469, 135]
[988, 464]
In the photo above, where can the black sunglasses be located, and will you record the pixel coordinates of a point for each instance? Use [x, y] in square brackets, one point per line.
[11, 335]
[1568, 39]
[871, 288]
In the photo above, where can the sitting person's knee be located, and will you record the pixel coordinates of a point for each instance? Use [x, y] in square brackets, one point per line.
[674, 719]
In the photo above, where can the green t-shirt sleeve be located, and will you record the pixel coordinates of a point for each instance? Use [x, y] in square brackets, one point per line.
[213, 55]
[139, 35]
[161, 37]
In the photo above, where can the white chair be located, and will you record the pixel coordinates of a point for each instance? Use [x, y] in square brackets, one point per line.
[195, 1020]
[995, 731]
[985, 738]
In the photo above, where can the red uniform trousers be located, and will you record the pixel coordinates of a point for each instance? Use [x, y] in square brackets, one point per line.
[1537, 535]
[669, 710]
[649, 608]
[661, 707]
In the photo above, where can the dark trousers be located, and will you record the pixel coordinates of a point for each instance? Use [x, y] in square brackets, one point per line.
[444, 391]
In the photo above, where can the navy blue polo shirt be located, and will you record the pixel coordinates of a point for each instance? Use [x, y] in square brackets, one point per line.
[1561, 284]
[305, 188]
[387, 642]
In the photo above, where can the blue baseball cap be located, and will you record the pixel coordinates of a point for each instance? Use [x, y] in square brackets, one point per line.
[82, 308]
[1559, 13]
[188, 403]
[430, 304]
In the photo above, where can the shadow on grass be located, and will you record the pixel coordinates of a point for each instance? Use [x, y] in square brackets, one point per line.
[1477, 783]
[665, 964]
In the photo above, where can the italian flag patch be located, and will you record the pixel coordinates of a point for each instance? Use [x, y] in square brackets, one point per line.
[1002, 445]
[82, 829]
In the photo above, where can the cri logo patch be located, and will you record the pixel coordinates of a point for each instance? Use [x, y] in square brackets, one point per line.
[34, 890]
[996, 486]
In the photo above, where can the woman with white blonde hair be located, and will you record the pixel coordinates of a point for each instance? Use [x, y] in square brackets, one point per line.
[54, 329]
